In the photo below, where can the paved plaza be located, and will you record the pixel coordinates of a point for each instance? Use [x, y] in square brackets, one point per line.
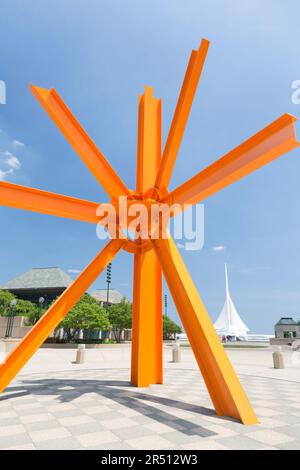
[88, 407]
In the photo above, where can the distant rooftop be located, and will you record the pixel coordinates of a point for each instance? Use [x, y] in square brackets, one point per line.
[100, 295]
[286, 321]
[39, 278]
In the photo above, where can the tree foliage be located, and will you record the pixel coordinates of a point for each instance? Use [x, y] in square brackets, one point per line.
[27, 309]
[5, 300]
[87, 314]
[170, 328]
[120, 317]
[35, 314]
[23, 308]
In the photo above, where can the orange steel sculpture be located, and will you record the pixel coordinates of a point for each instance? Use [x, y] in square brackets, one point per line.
[154, 256]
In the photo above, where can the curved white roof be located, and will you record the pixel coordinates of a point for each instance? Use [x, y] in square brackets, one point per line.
[229, 323]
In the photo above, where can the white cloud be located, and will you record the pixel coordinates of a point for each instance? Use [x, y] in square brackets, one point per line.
[3, 174]
[74, 271]
[13, 162]
[18, 143]
[9, 162]
[218, 248]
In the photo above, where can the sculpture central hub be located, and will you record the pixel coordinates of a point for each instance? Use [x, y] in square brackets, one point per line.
[138, 217]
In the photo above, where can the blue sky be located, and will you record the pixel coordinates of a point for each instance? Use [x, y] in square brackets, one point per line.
[99, 55]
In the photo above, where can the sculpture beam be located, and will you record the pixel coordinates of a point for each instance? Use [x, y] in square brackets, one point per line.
[270, 143]
[221, 380]
[181, 115]
[36, 200]
[146, 358]
[15, 361]
[80, 141]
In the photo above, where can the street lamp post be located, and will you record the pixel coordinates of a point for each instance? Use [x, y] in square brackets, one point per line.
[10, 319]
[166, 304]
[41, 302]
[108, 281]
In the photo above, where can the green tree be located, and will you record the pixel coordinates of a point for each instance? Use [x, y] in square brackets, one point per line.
[5, 300]
[85, 315]
[120, 317]
[25, 308]
[170, 328]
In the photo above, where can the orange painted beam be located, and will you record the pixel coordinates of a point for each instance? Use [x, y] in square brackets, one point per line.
[22, 197]
[146, 354]
[273, 141]
[146, 357]
[80, 141]
[181, 115]
[56, 313]
[221, 380]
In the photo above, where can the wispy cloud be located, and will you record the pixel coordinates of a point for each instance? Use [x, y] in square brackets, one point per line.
[18, 143]
[74, 271]
[9, 162]
[4, 174]
[218, 248]
[13, 162]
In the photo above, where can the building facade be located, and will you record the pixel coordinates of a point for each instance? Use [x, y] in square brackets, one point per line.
[37, 283]
[107, 298]
[48, 284]
[287, 328]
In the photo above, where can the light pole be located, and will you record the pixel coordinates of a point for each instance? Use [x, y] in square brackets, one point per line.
[166, 304]
[10, 319]
[108, 281]
[41, 302]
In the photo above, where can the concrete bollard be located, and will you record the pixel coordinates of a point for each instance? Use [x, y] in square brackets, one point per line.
[80, 354]
[176, 353]
[278, 360]
[296, 345]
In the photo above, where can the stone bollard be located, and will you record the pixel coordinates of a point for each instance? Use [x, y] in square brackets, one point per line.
[176, 353]
[278, 360]
[296, 345]
[80, 354]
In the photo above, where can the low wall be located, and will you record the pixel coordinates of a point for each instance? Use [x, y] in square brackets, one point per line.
[19, 329]
[281, 341]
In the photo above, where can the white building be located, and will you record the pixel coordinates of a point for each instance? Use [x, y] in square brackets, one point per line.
[229, 323]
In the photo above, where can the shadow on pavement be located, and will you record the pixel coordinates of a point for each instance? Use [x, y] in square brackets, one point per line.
[122, 393]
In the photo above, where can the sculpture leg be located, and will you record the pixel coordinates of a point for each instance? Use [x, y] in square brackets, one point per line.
[147, 321]
[221, 380]
[49, 321]
[146, 358]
